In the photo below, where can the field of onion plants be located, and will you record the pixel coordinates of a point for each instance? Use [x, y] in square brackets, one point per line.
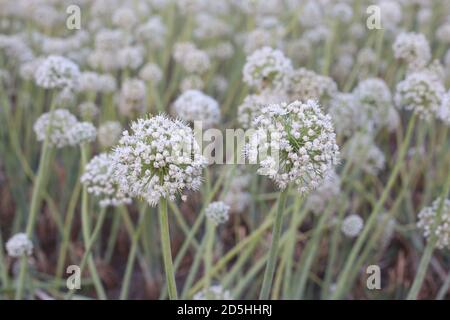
[235, 149]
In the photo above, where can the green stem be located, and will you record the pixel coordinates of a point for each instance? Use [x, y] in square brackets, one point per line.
[276, 233]
[166, 250]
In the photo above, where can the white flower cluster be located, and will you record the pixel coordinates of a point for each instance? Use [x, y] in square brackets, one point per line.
[352, 225]
[194, 105]
[192, 82]
[362, 151]
[151, 72]
[427, 222]
[217, 212]
[98, 177]
[412, 48]
[160, 158]
[421, 92]
[94, 82]
[57, 72]
[236, 196]
[444, 109]
[65, 130]
[19, 245]
[267, 68]
[301, 142]
[216, 292]
[191, 58]
[253, 104]
[132, 97]
[347, 114]
[305, 84]
[109, 133]
[326, 192]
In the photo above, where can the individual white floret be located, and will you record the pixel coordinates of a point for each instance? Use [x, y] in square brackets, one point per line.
[352, 225]
[19, 245]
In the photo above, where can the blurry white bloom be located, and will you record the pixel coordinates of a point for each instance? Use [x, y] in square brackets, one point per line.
[130, 57]
[387, 224]
[192, 59]
[253, 104]
[216, 292]
[428, 220]
[223, 50]
[192, 82]
[109, 40]
[301, 141]
[391, 14]
[194, 105]
[210, 27]
[237, 197]
[88, 110]
[98, 177]
[160, 158]
[151, 72]
[267, 68]
[109, 133]
[19, 245]
[413, 48]
[217, 212]
[57, 72]
[362, 151]
[329, 190]
[352, 225]
[152, 33]
[220, 84]
[342, 12]
[305, 84]
[421, 92]
[62, 121]
[82, 132]
[299, 50]
[444, 109]
[346, 113]
[132, 97]
[311, 15]
[443, 33]
[124, 18]
[28, 68]
[107, 83]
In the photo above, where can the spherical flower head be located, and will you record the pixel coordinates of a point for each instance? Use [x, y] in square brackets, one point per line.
[88, 109]
[295, 143]
[82, 132]
[194, 105]
[362, 151]
[132, 97]
[267, 68]
[217, 212]
[421, 92]
[443, 33]
[428, 222]
[306, 84]
[98, 177]
[192, 82]
[61, 121]
[375, 100]
[326, 192]
[346, 113]
[412, 48]
[151, 72]
[159, 158]
[57, 72]
[444, 109]
[391, 14]
[109, 133]
[352, 225]
[124, 18]
[19, 245]
[130, 57]
[253, 104]
[216, 292]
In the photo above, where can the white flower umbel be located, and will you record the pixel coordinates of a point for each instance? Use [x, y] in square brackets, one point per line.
[19, 245]
[352, 225]
[302, 137]
[159, 158]
[305, 84]
[412, 48]
[82, 132]
[194, 105]
[427, 222]
[98, 177]
[217, 212]
[62, 122]
[151, 72]
[347, 114]
[57, 72]
[267, 68]
[109, 133]
[216, 292]
[421, 92]
[132, 97]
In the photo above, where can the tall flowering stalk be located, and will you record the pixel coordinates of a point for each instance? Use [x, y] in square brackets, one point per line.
[303, 152]
[155, 162]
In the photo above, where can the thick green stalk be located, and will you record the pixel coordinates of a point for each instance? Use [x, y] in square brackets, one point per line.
[276, 233]
[166, 250]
